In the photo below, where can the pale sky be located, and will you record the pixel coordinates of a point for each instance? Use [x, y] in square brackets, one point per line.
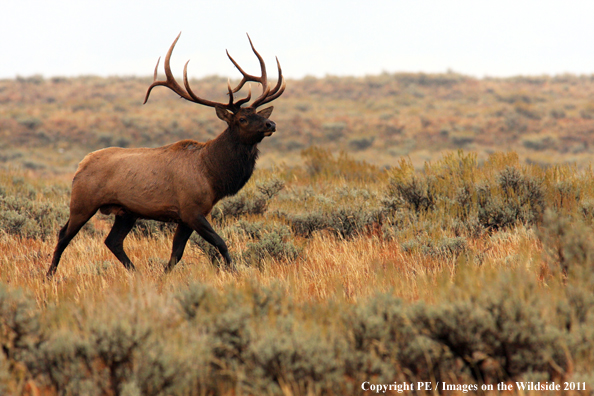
[310, 37]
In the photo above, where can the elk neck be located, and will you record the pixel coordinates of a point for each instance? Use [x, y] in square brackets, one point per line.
[229, 163]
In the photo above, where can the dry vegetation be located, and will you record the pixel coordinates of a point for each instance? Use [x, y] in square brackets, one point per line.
[54, 122]
[474, 268]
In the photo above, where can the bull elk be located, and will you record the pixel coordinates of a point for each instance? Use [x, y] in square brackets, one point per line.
[180, 182]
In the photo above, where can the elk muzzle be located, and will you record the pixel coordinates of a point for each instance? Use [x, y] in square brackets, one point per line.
[270, 128]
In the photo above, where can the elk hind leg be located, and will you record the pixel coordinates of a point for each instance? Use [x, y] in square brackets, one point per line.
[182, 234]
[69, 231]
[122, 225]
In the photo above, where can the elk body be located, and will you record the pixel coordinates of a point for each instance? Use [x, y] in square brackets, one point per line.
[177, 183]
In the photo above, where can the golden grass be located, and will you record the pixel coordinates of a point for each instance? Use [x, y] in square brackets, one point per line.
[330, 267]
[332, 277]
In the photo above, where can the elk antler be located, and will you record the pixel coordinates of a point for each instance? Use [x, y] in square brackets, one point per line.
[267, 94]
[188, 94]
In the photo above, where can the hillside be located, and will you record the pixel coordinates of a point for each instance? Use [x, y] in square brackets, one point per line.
[53, 123]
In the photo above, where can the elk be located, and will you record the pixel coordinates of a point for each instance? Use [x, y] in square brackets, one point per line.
[180, 182]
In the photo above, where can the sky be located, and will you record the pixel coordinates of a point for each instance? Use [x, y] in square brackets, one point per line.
[310, 37]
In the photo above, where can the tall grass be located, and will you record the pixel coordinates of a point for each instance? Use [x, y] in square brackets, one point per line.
[468, 272]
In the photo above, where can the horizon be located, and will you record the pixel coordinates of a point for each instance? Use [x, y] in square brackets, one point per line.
[221, 77]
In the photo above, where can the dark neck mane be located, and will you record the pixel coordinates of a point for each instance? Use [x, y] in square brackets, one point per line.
[229, 163]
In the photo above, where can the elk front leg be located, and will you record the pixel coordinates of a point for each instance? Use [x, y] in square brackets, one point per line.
[204, 229]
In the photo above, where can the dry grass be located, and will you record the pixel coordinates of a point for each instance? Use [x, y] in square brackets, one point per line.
[392, 276]
[333, 278]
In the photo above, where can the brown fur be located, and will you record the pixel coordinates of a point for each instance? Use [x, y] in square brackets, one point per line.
[180, 183]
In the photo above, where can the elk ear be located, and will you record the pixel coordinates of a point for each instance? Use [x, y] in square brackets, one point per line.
[266, 112]
[224, 115]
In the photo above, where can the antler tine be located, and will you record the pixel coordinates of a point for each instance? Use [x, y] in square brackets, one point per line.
[276, 91]
[170, 80]
[230, 92]
[199, 100]
[246, 99]
[156, 69]
[272, 97]
[172, 84]
[263, 79]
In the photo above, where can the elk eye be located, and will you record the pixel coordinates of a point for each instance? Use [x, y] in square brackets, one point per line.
[242, 120]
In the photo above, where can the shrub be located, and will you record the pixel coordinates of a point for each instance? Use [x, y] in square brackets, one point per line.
[230, 335]
[361, 143]
[152, 228]
[412, 192]
[239, 205]
[267, 241]
[290, 357]
[273, 245]
[386, 344]
[305, 224]
[566, 242]
[193, 298]
[112, 346]
[248, 202]
[348, 222]
[59, 362]
[501, 338]
[343, 221]
[270, 188]
[489, 338]
[19, 324]
[30, 219]
[515, 199]
[161, 369]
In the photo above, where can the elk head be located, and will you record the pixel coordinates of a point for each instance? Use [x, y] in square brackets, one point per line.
[249, 125]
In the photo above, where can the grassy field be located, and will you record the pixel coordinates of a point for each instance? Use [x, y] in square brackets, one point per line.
[362, 267]
[53, 123]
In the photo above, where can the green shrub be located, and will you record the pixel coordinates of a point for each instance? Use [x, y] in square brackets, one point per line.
[60, 361]
[19, 324]
[160, 368]
[153, 228]
[290, 357]
[30, 219]
[270, 188]
[267, 241]
[272, 245]
[413, 192]
[498, 332]
[516, 199]
[348, 222]
[230, 335]
[248, 202]
[112, 349]
[386, 343]
[567, 242]
[192, 299]
[305, 224]
[361, 143]
[343, 221]
[239, 205]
